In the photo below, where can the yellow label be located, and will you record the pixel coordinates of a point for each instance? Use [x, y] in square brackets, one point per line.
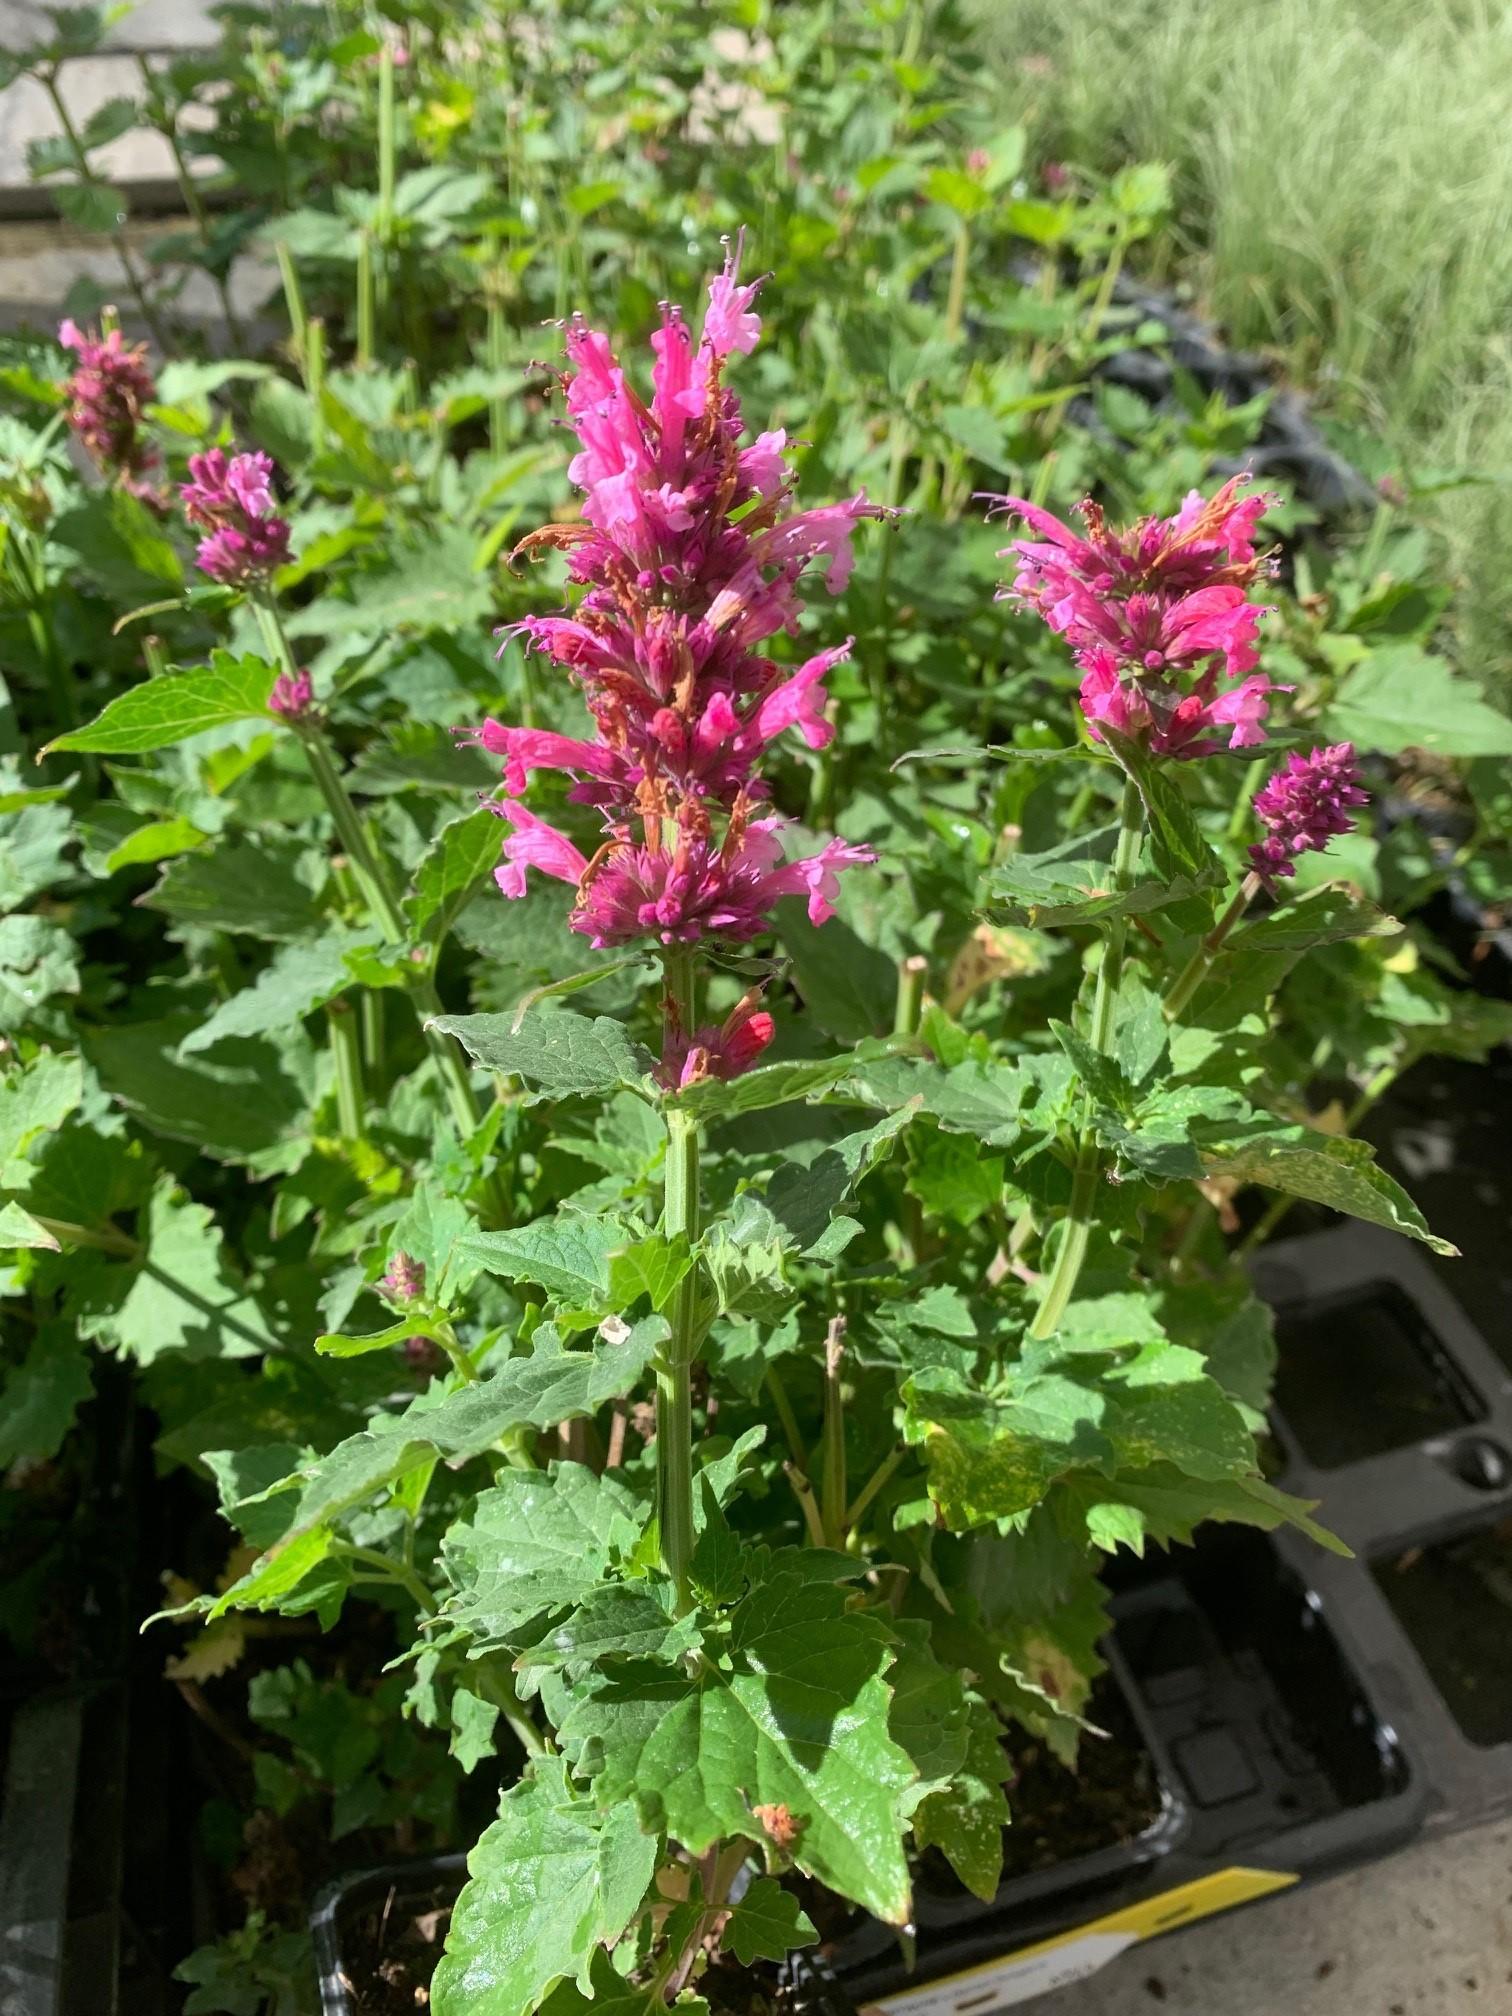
[1074, 1956]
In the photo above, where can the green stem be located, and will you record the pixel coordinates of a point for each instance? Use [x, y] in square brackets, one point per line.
[872, 1486]
[382, 900]
[1076, 1233]
[314, 370]
[384, 221]
[372, 1036]
[494, 348]
[912, 974]
[105, 1238]
[364, 299]
[955, 302]
[787, 1419]
[674, 1377]
[1192, 975]
[496, 1685]
[294, 306]
[346, 1055]
[461, 1358]
[384, 1566]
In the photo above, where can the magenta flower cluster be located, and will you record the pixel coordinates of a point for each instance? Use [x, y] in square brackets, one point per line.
[1304, 806]
[230, 499]
[690, 563]
[404, 1279]
[108, 392]
[1158, 618]
[293, 696]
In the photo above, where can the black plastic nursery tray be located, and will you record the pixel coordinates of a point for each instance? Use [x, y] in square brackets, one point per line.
[1396, 1411]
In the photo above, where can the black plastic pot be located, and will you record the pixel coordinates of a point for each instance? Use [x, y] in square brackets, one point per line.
[394, 1893]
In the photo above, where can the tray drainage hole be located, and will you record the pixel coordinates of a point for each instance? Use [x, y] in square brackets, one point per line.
[1480, 1462]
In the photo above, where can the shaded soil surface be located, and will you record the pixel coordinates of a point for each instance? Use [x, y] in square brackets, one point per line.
[1454, 1600]
[1111, 1798]
[391, 1949]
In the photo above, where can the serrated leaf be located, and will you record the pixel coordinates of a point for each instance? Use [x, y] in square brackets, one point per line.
[767, 1924]
[557, 1053]
[549, 1882]
[38, 1099]
[43, 1393]
[794, 1714]
[244, 1101]
[1073, 884]
[965, 1819]
[172, 708]
[1177, 848]
[179, 1296]
[300, 979]
[772, 1084]
[264, 890]
[1402, 697]
[803, 1197]
[473, 1720]
[610, 1994]
[1321, 917]
[461, 854]
[652, 1266]
[1327, 1169]
[533, 1546]
[18, 1228]
[972, 1097]
[337, 1344]
[566, 1254]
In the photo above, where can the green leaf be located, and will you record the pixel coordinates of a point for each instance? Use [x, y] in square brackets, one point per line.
[37, 962]
[1073, 884]
[1340, 1173]
[18, 1229]
[973, 1097]
[794, 1713]
[473, 1721]
[457, 859]
[176, 706]
[965, 1819]
[554, 1384]
[995, 1454]
[952, 1178]
[122, 544]
[549, 1882]
[43, 1393]
[557, 1053]
[180, 1296]
[300, 979]
[565, 1254]
[37, 1099]
[767, 1924]
[243, 1102]
[263, 889]
[1402, 697]
[772, 1084]
[336, 1344]
[534, 1545]
[1321, 917]
[803, 1197]
[653, 1266]
[848, 986]
[1177, 847]
[610, 1994]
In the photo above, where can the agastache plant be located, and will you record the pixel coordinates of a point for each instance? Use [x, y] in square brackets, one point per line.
[108, 392]
[1160, 623]
[689, 561]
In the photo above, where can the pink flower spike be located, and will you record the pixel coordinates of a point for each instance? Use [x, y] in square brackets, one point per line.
[108, 393]
[231, 499]
[1304, 806]
[723, 1052]
[404, 1279]
[293, 696]
[534, 844]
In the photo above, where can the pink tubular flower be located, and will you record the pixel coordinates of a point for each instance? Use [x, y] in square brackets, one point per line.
[1303, 806]
[722, 1052]
[108, 391]
[231, 499]
[688, 565]
[293, 696]
[695, 888]
[1157, 617]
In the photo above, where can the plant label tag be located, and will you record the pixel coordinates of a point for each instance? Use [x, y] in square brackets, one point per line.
[1014, 1980]
[1076, 1956]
